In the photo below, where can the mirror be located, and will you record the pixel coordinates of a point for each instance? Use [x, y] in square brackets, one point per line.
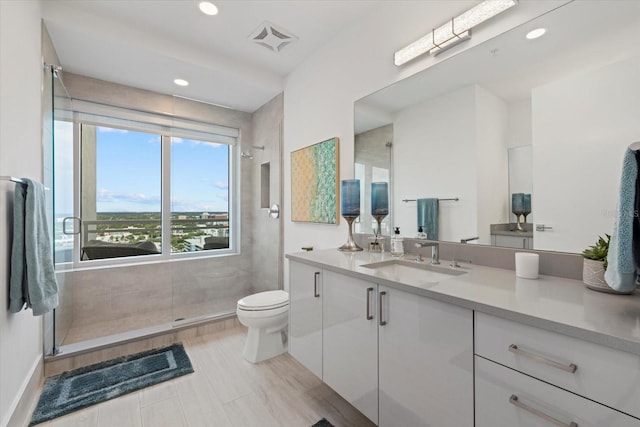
[551, 117]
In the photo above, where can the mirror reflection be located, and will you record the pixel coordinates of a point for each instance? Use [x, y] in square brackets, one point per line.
[546, 119]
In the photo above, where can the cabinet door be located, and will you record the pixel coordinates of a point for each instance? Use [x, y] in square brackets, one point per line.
[305, 315]
[507, 398]
[350, 340]
[513, 242]
[425, 360]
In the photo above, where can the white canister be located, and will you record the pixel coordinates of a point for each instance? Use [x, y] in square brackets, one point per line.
[527, 265]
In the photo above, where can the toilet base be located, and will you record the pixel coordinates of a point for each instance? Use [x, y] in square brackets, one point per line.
[262, 345]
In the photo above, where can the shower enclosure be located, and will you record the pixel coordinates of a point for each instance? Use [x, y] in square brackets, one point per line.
[104, 301]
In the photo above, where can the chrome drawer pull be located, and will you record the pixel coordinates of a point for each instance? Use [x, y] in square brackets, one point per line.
[514, 401]
[382, 322]
[316, 276]
[369, 315]
[569, 368]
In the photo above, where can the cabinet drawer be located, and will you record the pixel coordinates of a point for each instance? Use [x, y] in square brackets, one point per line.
[506, 398]
[605, 375]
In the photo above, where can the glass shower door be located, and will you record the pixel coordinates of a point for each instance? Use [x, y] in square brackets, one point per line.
[59, 178]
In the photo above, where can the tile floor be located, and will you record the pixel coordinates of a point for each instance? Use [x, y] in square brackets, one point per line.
[225, 390]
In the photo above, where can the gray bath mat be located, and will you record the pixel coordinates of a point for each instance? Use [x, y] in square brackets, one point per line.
[323, 423]
[77, 389]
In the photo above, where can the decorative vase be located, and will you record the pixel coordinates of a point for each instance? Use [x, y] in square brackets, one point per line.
[593, 275]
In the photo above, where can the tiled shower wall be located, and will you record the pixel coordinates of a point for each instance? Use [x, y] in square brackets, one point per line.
[266, 232]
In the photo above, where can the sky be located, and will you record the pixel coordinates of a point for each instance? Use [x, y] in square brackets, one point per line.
[128, 173]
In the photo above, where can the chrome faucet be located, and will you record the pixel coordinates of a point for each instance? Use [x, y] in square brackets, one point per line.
[435, 251]
[470, 239]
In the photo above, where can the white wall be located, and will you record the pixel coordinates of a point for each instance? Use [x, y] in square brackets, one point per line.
[519, 130]
[431, 140]
[20, 155]
[596, 115]
[492, 121]
[320, 93]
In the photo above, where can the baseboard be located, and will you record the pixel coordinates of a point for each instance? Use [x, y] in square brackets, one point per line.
[20, 409]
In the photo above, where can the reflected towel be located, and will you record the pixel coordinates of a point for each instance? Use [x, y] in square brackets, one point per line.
[428, 217]
[621, 271]
[33, 281]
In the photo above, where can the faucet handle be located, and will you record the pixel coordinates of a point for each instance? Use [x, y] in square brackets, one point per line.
[455, 261]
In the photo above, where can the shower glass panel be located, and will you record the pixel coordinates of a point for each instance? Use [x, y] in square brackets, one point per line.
[59, 178]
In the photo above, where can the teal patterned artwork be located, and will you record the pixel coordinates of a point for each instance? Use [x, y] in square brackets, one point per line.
[314, 183]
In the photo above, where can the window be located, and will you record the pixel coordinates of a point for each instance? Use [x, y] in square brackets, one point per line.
[148, 186]
[199, 195]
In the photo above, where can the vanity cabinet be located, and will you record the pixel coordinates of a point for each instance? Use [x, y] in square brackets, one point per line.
[305, 315]
[507, 398]
[578, 378]
[425, 361]
[399, 358]
[350, 340]
[517, 242]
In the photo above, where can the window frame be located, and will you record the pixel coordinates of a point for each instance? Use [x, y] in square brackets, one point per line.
[166, 132]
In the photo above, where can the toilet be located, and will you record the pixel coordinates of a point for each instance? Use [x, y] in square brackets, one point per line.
[266, 314]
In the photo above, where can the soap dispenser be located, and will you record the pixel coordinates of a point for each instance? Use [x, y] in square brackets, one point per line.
[397, 243]
[421, 234]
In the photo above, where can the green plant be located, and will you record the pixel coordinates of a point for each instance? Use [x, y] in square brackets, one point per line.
[598, 251]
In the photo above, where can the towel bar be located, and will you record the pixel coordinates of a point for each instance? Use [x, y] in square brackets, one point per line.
[16, 180]
[454, 199]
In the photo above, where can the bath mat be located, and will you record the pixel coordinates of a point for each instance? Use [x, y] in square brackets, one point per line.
[323, 423]
[77, 389]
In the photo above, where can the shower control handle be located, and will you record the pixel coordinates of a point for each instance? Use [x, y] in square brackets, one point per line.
[274, 211]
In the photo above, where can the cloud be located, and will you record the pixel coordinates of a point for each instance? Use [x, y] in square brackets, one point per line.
[108, 130]
[221, 185]
[108, 196]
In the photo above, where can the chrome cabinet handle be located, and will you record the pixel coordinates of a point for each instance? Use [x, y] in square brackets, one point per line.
[382, 322]
[571, 368]
[369, 315]
[514, 401]
[316, 276]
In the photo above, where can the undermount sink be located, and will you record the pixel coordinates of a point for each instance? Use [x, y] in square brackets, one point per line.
[403, 270]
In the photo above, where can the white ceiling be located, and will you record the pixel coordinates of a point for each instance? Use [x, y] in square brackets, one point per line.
[580, 35]
[147, 44]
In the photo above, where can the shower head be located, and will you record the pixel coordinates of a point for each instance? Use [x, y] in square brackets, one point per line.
[246, 155]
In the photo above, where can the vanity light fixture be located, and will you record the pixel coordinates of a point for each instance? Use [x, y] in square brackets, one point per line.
[181, 82]
[453, 32]
[534, 34]
[208, 8]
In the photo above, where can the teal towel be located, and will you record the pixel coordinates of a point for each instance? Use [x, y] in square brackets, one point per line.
[33, 281]
[621, 271]
[428, 217]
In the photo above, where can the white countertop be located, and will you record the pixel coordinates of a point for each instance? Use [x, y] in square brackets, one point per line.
[561, 305]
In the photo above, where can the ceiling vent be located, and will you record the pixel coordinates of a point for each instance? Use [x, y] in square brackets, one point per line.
[272, 37]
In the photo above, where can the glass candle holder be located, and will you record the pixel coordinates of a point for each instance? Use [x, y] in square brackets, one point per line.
[526, 209]
[350, 210]
[379, 203]
[517, 207]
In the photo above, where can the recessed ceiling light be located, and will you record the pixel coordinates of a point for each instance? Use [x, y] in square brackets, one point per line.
[208, 8]
[534, 34]
[181, 82]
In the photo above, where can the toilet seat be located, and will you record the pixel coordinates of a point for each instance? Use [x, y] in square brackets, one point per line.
[262, 301]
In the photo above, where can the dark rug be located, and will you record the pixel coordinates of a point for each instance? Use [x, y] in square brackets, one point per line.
[323, 423]
[77, 389]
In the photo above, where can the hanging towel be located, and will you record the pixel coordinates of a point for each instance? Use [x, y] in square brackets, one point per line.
[33, 281]
[428, 217]
[621, 269]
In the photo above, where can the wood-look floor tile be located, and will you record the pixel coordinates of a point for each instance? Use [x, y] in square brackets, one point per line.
[121, 412]
[225, 390]
[167, 413]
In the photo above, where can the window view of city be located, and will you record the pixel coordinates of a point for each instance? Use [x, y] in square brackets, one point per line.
[121, 195]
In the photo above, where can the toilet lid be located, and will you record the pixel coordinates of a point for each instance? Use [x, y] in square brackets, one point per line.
[264, 300]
